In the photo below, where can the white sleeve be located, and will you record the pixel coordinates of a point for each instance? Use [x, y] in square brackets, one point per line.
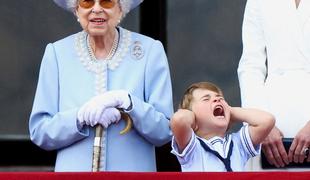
[187, 154]
[252, 68]
[247, 143]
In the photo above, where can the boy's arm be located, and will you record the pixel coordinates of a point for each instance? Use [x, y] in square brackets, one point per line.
[182, 123]
[260, 122]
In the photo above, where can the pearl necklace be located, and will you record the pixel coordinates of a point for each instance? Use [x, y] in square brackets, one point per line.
[119, 49]
[88, 59]
[111, 52]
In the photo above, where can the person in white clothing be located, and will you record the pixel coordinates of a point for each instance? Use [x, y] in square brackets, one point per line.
[274, 75]
[201, 141]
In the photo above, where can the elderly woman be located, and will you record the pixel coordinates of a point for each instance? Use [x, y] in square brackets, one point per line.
[87, 77]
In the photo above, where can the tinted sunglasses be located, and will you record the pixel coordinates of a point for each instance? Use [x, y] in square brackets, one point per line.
[107, 4]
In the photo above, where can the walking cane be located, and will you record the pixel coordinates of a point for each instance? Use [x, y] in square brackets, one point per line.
[97, 141]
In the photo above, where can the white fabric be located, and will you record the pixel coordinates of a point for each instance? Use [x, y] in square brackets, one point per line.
[105, 118]
[195, 158]
[92, 110]
[274, 30]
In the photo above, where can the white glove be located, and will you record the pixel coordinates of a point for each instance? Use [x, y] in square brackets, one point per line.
[94, 117]
[92, 110]
[115, 98]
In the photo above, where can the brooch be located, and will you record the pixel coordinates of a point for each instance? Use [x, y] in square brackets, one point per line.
[137, 51]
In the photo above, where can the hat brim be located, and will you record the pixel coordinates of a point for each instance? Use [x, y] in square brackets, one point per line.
[63, 4]
[135, 3]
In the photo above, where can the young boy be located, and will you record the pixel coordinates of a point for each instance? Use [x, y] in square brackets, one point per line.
[201, 141]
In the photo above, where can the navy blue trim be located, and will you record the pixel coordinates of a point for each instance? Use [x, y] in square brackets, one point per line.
[225, 161]
[247, 143]
[225, 144]
[215, 141]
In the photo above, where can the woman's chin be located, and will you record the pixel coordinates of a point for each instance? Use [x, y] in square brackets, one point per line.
[97, 31]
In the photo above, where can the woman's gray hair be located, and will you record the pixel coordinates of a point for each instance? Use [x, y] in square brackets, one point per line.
[124, 4]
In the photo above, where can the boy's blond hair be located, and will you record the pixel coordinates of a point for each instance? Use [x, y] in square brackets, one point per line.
[187, 99]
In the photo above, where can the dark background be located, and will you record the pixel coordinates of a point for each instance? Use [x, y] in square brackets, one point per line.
[202, 39]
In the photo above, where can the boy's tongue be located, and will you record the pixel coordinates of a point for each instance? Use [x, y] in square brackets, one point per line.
[218, 111]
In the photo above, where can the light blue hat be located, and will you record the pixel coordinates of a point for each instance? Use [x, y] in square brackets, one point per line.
[126, 5]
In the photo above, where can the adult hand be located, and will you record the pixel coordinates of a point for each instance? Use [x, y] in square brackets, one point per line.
[274, 150]
[105, 118]
[116, 98]
[92, 110]
[299, 144]
[109, 116]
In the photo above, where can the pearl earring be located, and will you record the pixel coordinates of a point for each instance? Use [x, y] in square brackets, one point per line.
[78, 20]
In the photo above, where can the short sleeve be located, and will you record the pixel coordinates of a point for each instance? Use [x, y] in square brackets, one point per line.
[186, 155]
[247, 144]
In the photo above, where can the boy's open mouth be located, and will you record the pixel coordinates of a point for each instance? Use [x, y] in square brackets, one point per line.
[218, 111]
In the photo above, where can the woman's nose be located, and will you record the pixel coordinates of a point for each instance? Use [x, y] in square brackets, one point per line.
[97, 7]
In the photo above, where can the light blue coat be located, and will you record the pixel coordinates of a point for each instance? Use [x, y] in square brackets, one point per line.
[65, 85]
